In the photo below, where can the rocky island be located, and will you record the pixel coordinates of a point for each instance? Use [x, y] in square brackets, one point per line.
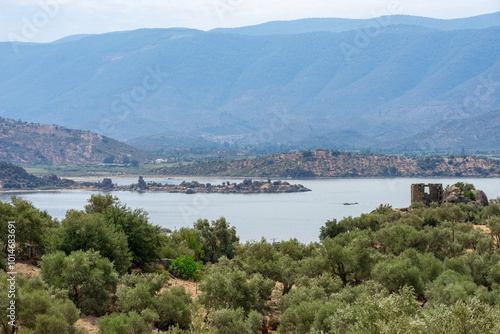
[247, 186]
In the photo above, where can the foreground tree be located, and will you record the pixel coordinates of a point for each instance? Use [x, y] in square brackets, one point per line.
[80, 231]
[39, 309]
[143, 239]
[218, 239]
[136, 292]
[89, 278]
[350, 256]
[33, 227]
[226, 286]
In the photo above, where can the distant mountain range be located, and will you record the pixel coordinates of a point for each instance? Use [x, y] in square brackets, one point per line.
[339, 25]
[396, 81]
[470, 133]
[32, 144]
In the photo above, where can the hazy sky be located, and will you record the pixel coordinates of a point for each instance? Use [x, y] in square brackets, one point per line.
[48, 20]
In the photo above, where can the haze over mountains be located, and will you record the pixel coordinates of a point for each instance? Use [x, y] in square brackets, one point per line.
[388, 82]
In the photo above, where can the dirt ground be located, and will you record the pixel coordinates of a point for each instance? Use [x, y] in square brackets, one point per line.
[89, 323]
[483, 228]
[27, 269]
[190, 287]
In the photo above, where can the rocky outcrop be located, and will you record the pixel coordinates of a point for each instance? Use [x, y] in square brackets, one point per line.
[465, 193]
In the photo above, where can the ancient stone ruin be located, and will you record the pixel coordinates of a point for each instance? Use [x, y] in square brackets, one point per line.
[427, 193]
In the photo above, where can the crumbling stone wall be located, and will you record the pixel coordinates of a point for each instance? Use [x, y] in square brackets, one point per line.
[427, 193]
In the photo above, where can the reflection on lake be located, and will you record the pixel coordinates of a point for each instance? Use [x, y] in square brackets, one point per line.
[273, 216]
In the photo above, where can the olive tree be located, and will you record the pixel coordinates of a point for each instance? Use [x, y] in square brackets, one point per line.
[89, 278]
[143, 239]
[226, 286]
[81, 231]
[218, 239]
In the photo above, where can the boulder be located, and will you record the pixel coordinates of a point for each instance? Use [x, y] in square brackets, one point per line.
[455, 195]
[481, 198]
[453, 199]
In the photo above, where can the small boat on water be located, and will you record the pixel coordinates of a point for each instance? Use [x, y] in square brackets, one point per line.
[351, 203]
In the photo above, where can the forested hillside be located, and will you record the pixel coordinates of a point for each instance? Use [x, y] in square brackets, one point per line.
[429, 270]
[328, 163]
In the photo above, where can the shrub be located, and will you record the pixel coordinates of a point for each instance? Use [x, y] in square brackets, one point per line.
[470, 195]
[218, 239]
[143, 238]
[136, 292]
[124, 323]
[331, 229]
[173, 308]
[186, 268]
[33, 227]
[229, 321]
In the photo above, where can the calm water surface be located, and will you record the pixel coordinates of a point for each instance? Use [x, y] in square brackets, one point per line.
[273, 216]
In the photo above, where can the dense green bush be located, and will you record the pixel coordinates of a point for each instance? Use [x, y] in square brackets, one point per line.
[136, 292]
[231, 321]
[186, 268]
[124, 323]
[331, 229]
[39, 309]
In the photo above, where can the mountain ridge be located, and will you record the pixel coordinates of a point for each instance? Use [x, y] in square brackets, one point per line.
[327, 24]
[254, 89]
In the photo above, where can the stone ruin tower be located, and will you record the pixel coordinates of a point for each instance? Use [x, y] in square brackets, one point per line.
[427, 193]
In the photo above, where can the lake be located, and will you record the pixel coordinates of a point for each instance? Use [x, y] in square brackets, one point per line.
[273, 216]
